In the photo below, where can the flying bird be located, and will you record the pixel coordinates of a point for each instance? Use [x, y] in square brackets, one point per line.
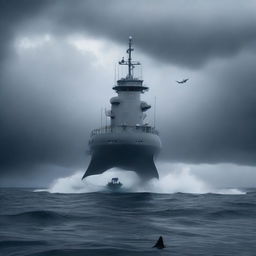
[183, 81]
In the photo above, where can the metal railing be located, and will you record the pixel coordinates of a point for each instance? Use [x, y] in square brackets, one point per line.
[110, 129]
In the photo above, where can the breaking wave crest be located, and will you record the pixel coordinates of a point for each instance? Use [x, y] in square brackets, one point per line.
[180, 181]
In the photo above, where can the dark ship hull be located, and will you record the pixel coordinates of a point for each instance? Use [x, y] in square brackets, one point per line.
[129, 151]
[136, 158]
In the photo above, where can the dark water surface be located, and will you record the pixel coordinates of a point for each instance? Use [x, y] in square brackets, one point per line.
[40, 223]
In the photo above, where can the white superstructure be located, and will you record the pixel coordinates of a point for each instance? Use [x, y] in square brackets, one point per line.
[128, 142]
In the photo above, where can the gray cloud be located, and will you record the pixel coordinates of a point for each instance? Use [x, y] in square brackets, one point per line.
[45, 104]
[186, 33]
[13, 15]
[217, 122]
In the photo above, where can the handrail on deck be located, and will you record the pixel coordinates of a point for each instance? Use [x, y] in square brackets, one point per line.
[110, 129]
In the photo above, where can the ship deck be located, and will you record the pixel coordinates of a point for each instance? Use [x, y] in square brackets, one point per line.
[124, 128]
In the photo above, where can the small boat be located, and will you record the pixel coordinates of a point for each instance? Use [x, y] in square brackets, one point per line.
[114, 184]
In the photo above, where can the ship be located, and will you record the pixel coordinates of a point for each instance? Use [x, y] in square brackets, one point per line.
[128, 142]
[114, 184]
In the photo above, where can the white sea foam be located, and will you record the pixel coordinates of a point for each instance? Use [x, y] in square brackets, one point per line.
[182, 180]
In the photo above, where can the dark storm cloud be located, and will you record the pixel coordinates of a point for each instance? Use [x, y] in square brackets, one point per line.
[218, 123]
[46, 111]
[12, 15]
[183, 32]
[188, 33]
[45, 108]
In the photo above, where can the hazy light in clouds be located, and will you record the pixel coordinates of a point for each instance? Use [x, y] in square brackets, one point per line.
[95, 47]
[32, 42]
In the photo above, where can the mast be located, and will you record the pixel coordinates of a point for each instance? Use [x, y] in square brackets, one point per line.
[129, 51]
[129, 62]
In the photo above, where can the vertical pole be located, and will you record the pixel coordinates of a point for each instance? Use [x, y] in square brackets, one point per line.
[106, 118]
[130, 57]
[118, 72]
[155, 112]
[115, 75]
[101, 118]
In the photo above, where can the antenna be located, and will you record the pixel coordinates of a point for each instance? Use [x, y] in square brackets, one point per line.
[117, 72]
[106, 117]
[131, 64]
[155, 112]
[115, 75]
[101, 118]
[129, 51]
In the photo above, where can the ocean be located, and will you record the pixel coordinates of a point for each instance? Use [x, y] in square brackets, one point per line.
[39, 223]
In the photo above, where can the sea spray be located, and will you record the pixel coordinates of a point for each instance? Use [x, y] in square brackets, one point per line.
[95, 183]
[178, 181]
[182, 180]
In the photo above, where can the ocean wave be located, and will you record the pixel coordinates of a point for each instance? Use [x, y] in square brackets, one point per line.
[243, 204]
[229, 213]
[95, 252]
[181, 181]
[178, 212]
[13, 243]
[228, 191]
[125, 223]
[41, 216]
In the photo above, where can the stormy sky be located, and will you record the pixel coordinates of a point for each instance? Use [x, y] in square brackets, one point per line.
[57, 62]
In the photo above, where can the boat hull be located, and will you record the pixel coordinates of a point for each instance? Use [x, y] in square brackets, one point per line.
[129, 151]
[114, 186]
